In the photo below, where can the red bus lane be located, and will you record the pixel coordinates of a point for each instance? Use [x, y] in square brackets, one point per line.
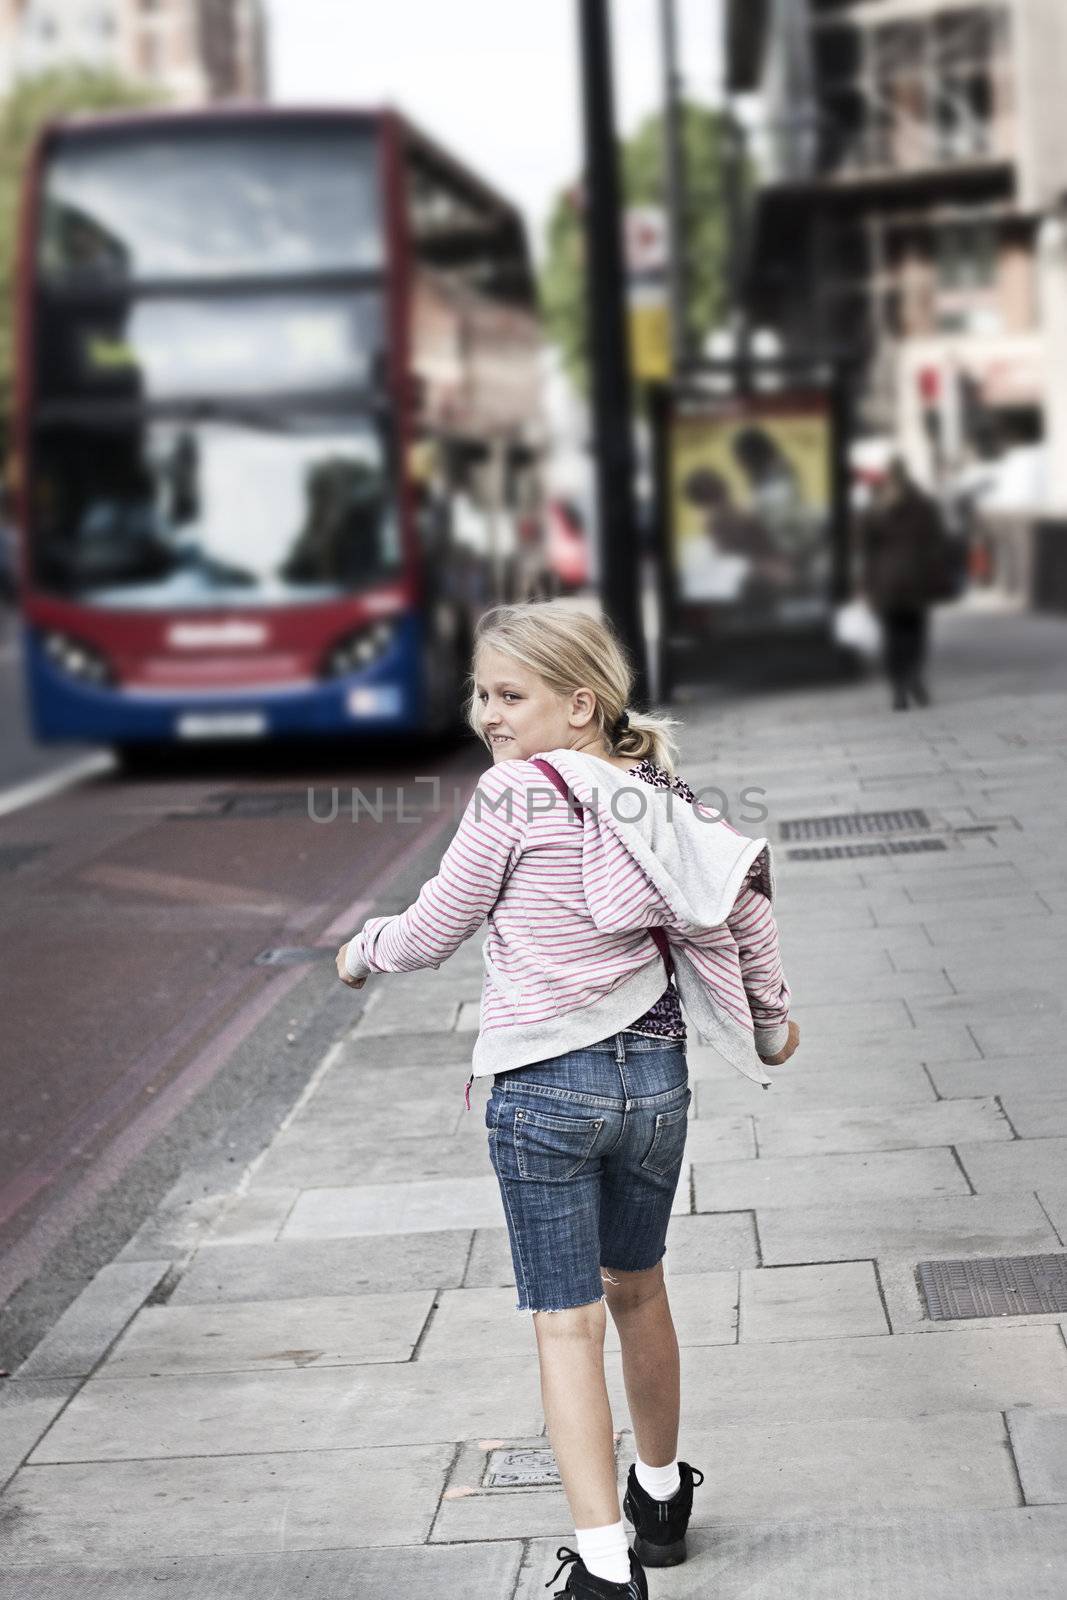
[132, 918]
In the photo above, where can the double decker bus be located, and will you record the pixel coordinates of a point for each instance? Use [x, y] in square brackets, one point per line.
[278, 429]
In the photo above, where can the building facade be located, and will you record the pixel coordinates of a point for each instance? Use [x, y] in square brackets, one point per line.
[910, 167]
[198, 51]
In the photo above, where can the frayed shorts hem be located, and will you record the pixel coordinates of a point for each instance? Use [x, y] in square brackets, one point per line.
[536, 1310]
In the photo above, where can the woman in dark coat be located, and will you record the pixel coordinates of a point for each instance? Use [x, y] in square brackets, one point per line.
[903, 538]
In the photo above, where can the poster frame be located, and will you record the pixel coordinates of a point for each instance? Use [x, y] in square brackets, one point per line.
[827, 378]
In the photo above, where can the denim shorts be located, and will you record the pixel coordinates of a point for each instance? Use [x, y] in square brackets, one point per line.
[587, 1148]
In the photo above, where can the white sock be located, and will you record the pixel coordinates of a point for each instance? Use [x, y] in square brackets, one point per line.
[606, 1551]
[662, 1483]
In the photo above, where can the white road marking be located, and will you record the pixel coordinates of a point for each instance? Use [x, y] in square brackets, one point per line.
[53, 783]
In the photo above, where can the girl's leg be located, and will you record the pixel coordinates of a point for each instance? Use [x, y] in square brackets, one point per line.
[570, 1347]
[641, 1312]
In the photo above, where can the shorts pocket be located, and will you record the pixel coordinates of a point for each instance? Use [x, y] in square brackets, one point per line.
[550, 1148]
[668, 1142]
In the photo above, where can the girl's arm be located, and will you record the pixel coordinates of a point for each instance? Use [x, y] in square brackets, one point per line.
[752, 924]
[751, 928]
[451, 905]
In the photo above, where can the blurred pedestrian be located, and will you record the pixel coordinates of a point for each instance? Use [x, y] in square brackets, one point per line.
[903, 542]
[582, 1034]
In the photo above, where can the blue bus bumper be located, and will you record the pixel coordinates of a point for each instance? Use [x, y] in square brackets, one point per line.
[384, 698]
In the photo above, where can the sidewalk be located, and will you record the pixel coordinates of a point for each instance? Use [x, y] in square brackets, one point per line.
[304, 1387]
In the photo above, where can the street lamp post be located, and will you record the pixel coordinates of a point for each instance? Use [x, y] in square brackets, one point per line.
[609, 357]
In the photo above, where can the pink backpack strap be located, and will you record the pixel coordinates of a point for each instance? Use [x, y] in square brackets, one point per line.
[556, 779]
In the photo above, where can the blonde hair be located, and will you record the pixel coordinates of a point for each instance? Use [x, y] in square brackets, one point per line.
[568, 650]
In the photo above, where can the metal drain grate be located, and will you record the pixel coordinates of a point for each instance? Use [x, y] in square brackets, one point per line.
[853, 824]
[14, 856]
[521, 1469]
[875, 847]
[994, 1286]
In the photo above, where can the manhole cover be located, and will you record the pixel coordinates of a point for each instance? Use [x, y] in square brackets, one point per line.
[855, 824]
[268, 803]
[288, 955]
[13, 856]
[874, 847]
[994, 1286]
[521, 1469]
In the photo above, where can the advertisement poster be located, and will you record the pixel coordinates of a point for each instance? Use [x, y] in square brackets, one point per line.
[750, 487]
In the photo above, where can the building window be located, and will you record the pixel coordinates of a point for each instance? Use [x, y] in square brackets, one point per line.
[967, 256]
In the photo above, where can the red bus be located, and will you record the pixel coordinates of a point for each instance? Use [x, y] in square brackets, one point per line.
[278, 430]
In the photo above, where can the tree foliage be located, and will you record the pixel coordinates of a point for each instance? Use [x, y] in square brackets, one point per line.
[705, 136]
[32, 102]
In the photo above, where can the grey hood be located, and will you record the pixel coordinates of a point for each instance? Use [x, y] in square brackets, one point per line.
[693, 862]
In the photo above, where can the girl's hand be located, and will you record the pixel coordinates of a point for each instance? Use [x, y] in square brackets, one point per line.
[787, 1049]
[343, 972]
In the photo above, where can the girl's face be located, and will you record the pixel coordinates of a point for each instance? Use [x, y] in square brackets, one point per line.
[521, 715]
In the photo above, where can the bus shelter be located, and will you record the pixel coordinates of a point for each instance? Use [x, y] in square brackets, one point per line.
[751, 486]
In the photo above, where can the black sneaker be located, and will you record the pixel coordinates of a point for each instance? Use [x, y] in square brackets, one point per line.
[585, 1585]
[659, 1525]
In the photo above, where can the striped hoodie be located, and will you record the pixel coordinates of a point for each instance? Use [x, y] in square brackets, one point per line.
[569, 898]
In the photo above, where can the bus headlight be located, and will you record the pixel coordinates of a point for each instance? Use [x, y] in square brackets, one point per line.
[77, 659]
[360, 649]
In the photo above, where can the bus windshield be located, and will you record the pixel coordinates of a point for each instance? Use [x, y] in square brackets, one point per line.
[210, 202]
[153, 514]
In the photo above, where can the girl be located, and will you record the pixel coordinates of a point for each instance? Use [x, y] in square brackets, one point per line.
[582, 1033]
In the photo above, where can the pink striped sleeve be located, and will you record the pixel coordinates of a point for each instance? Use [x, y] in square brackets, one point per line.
[452, 904]
[755, 932]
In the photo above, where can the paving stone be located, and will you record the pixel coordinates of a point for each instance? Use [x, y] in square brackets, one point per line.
[825, 987]
[946, 1225]
[301, 1499]
[332, 1159]
[1053, 1197]
[1001, 931]
[396, 1018]
[830, 1300]
[805, 1180]
[857, 1020]
[712, 1243]
[113, 1419]
[395, 1208]
[1020, 1036]
[993, 882]
[720, 1139]
[490, 1263]
[906, 1046]
[1012, 910]
[994, 1005]
[942, 1122]
[28, 1407]
[1036, 1076]
[255, 1217]
[412, 1054]
[1022, 1164]
[75, 1343]
[374, 1116]
[993, 1554]
[965, 1372]
[434, 1572]
[302, 1268]
[1039, 1442]
[336, 1330]
[840, 1086]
